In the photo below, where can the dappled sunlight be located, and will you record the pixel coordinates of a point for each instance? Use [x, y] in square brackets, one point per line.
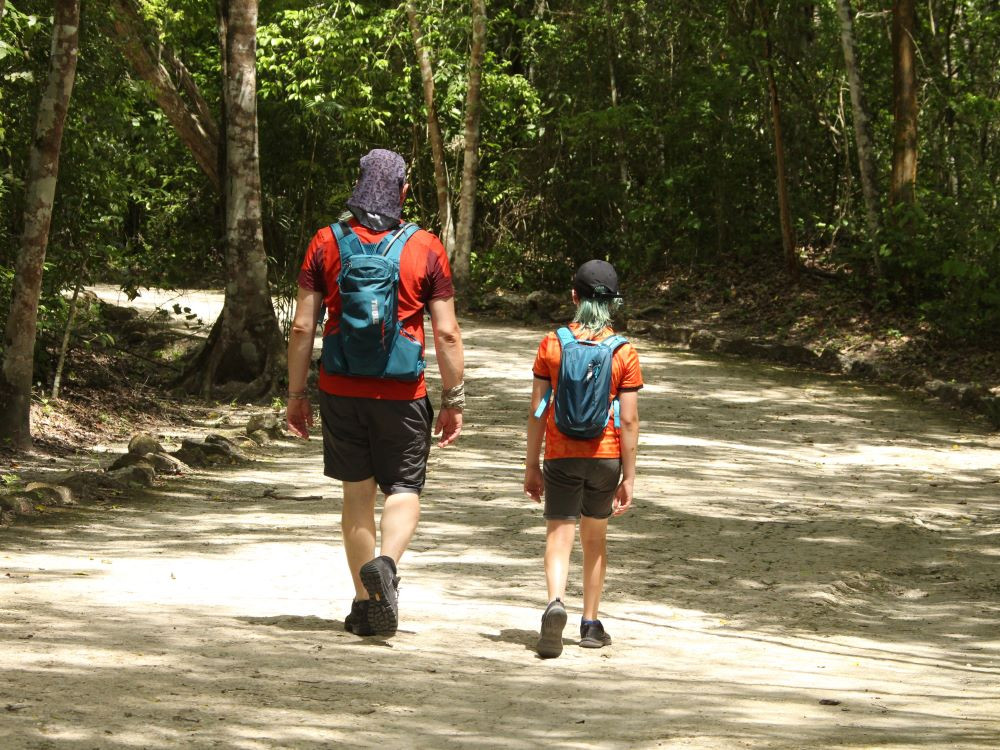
[794, 539]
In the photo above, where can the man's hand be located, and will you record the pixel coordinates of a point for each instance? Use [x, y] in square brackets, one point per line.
[299, 416]
[449, 426]
[623, 498]
[534, 483]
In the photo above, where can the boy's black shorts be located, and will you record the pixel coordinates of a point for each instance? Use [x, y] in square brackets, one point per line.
[370, 437]
[575, 486]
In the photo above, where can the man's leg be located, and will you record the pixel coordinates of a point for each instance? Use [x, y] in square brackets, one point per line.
[357, 521]
[559, 537]
[593, 539]
[399, 520]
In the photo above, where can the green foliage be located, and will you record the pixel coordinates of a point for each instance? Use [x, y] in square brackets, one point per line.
[634, 131]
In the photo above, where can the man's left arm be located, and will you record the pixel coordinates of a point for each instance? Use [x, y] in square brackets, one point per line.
[451, 363]
[300, 348]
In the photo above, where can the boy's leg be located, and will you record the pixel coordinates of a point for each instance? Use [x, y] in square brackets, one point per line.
[357, 521]
[593, 539]
[559, 537]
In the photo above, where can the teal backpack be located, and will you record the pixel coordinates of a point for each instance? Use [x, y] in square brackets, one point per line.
[369, 340]
[583, 400]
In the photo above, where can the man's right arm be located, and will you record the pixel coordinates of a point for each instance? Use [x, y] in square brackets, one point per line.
[451, 363]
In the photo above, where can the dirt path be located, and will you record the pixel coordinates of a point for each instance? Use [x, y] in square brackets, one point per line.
[810, 564]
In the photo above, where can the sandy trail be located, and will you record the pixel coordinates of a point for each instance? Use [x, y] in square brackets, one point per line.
[810, 564]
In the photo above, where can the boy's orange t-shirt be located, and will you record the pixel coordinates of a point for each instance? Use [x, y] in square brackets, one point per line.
[625, 376]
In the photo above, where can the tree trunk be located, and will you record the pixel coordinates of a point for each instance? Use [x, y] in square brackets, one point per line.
[902, 189]
[40, 188]
[862, 121]
[538, 14]
[168, 77]
[2, 3]
[784, 206]
[612, 53]
[245, 346]
[70, 319]
[445, 217]
[470, 165]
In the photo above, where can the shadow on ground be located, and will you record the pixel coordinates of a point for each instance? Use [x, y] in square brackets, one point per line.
[796, 539]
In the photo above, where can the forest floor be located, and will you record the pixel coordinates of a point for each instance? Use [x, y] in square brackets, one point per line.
[811, 563]
[821, 311]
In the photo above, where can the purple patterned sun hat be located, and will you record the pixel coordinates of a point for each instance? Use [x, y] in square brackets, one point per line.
[375, 201]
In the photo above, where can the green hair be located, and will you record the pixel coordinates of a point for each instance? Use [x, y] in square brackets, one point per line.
[594, 314]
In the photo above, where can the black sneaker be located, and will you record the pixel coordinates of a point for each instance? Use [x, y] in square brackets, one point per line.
[550, 643]
[592, 635]
[357, 621]
[379, 578]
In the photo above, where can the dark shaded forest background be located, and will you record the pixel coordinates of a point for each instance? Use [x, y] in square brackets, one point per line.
[643, 132]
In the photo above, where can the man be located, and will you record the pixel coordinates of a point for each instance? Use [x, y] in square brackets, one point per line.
[376, 427]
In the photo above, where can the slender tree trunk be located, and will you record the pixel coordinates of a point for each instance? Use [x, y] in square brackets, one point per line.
[245, 345]
[541, 7]
[862, 122]
[470, 165]
[956, 174]
[623, 176]
[168, 78]
[2, 3]
[40, 189]
[784, 205]
[902, 189]
[445, 217]
[70, 319]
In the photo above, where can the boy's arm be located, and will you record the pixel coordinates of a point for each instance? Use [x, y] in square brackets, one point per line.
[534, 485]
[629, 441]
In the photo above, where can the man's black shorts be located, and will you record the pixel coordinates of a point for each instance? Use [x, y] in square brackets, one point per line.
[370, 437]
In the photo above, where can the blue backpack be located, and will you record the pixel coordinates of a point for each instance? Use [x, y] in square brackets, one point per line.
[370, 341]
[582, 399]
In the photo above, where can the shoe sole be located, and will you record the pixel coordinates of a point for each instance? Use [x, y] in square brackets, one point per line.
[593, 643]
[361, 628]
[382, 608]
[550, 643]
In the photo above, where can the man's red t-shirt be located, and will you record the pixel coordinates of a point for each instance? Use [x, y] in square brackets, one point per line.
[424, 275]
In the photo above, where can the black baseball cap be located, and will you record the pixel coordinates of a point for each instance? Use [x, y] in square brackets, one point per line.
[596, 279]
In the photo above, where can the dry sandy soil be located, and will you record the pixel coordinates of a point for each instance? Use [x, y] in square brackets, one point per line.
[810, 564]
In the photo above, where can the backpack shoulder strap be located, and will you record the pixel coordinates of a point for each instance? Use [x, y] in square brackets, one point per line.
[347, 241]
[391, 245]
[543, 403]
[614, 342]
[565, 336]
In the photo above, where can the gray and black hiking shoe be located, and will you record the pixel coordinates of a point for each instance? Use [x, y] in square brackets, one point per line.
[593, 635]
[357, 621]
[380, 580]
[550, 643]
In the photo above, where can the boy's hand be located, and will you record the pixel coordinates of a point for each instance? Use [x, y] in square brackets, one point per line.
[623, 498]
[534, 483]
